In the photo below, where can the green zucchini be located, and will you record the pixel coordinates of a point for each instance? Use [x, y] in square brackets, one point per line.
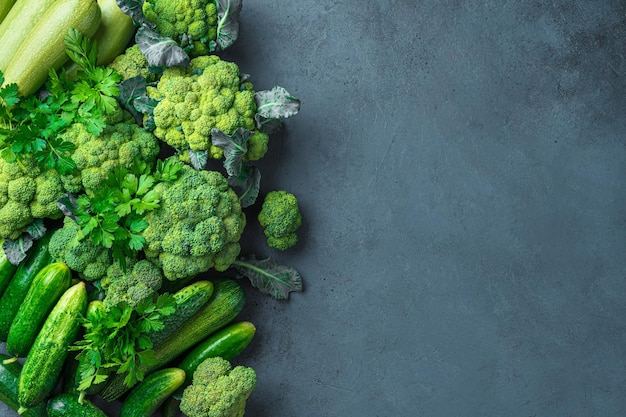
[16, 291]
[47, 287]
[5, 7]
[9, 375]
[115, 31]
[43, 365]
[226, 343]
[16, 26]
[67, 405]
[7, 269]
[226, 303]
[150, 393]
[44, 47]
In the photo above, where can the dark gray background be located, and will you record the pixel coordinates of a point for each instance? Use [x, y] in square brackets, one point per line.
[460, 168]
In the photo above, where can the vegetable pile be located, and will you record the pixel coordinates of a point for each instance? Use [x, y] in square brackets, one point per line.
[127, 179]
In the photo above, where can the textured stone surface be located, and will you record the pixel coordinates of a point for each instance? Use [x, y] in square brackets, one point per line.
[461, 171]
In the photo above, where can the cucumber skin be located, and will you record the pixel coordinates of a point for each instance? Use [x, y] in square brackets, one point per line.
[44, 363]
[67, 405]
[17, 289]
[47, 287]
[150, 393]
[7, 270]
[9, 375]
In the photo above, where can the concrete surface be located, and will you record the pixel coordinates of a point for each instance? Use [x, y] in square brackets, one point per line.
[460, 167]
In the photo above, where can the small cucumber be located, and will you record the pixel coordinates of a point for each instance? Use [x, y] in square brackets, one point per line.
[12, 298]
[9, 375]
[7, 269]
[47, 287]
[44, 362]
[5, 7]
[226, 343]
[67, 405]
[150, 393]
[44, 47]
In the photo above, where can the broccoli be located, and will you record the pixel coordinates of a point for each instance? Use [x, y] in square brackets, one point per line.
[26, 193]
[90, 261]
[197, 226]
[131, 64]
[217, 390]
[120, 144]
[138, 281]
[280, 217]
[194, 100]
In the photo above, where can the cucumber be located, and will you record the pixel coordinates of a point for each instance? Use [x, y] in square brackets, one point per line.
[44, 363]
[7, 269]
[16, 291]
[150, 393]
[226, 343]
[17, 25]
[44, 47]
[47, 287]
[5, 7]
[226, 303]
[9, 375]
[114, 32]
[67, 405]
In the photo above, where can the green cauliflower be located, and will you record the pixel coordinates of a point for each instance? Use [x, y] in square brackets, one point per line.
[197, 227]
[121, 144]
[217, 390]
[280, 218]
[209, 94]
[131, 64]
[88, 260]
[137, 281]
[191, 23]
[26, 193]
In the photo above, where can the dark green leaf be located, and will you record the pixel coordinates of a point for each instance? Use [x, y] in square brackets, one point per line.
[227, 22]
[276, 103]
[269, 276]
[160, 51]
[133, 9]
[234, 146]
[15, 250]
[246, 185]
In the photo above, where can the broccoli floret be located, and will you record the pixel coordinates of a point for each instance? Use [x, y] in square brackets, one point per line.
[120, 144]
[139, 280]
[197, 226]
[81, 255]
[131, 64]
[196, 99]
[217, 390]
[191, 23]
[26, 193]
[280, 218]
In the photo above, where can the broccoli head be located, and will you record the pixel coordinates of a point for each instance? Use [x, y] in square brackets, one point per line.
[137, 281]
[120, 144]
[26, 193]
[209, 94]
[217, 390]
[197, 226]
[191, 23]
[280, 218]
[131, 64]
[88, 260]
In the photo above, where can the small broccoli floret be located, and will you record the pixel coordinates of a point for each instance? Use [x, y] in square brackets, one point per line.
[88, 260]
[280, 218]
[131, 285]
[217, 390]
[197, 226]
[131, 64]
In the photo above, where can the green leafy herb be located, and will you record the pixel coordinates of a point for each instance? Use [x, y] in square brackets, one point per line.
[268, 276]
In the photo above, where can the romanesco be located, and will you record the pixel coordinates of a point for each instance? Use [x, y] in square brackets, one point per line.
[131, 64]
[280, 218]
[139, 280]
[217, 390]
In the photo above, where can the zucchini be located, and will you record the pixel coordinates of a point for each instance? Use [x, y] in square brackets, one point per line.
[7, 269]
[47, 287]
[67, 405]
[226, 343]
[44, 47]
[5, 7]
[16, 291]
[44, 363]
[9, 375]
[114, 32]
[17, 25]
[150, 393]
[226, 303]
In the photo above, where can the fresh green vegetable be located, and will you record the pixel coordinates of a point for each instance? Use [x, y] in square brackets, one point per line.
[9, 375]
[7, 269]
[170, 407]
[5, 7]
[226, 303]
[280, 218]
[131, 63]
[115, 31]
[268, 276]
[140, 280]
[150, 393]
[15, 293]
[44, 363]
[225, 343]
[218, 390]
[44, 46]
[47, 287]
[68, 405]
